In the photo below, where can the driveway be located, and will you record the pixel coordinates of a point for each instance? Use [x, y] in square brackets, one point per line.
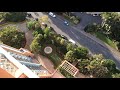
[87, 19]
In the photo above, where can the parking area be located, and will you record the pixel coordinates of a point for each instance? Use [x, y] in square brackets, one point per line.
[87, 19]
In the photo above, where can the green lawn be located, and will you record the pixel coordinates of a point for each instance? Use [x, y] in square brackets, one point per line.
[105, 39]
[55, 59]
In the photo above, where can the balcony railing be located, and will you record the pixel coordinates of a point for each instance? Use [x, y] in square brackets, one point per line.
[20, 57]
[8, 66]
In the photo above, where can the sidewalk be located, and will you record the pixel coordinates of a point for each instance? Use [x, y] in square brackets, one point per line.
[49, 65]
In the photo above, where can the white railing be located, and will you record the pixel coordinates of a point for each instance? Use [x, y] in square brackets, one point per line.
[9, 67]
[23, 68]
[10, 48]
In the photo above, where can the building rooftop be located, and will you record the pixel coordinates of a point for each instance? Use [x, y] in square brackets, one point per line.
[20, 63]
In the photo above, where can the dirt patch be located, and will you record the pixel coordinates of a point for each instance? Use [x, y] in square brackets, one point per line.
[29, 39]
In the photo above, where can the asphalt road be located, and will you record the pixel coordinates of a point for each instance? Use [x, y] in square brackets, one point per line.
[81, 38]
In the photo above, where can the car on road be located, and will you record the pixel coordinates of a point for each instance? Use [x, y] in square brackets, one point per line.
[94, 13]
[52, 14]
[66, 23]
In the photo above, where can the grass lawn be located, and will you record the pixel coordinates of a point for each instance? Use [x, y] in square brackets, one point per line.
[55, 59]
[105, 39]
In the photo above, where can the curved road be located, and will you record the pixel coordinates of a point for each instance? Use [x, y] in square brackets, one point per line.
[82, 38]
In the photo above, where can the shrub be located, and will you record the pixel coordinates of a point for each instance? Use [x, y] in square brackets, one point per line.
[65, 73]
[31, 24]
[14, 16]
[92, 28]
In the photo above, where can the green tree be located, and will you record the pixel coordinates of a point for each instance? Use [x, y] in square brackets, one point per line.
[110, 64]
[70, 56]
[11, 36]
[45, 36]
[70, 46]
[37, 31]
[117, 75]
[31, 24]
[14, 16]
[37, 25]
[47, 31]
[111, 22]
[58, 39]
[35, 45]
[97, 57]
[100, 72]
[92, 28]
[82, 66]
[81, 52]
[39, 38]
[62, 49]
[97, 69]
[62, 42]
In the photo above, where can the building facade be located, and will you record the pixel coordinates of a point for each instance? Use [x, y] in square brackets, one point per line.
[20, 63]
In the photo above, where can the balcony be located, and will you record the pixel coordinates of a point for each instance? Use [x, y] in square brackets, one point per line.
[20, 57]
[11, 65]
[8, 66]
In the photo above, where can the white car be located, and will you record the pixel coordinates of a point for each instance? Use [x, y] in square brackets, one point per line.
[51, 14]
[72, 41]
[96, 14]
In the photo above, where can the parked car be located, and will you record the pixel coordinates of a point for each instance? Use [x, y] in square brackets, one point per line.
[66, 23]
[72, 41]
[64, 37]
[52, 14]
[96, 14]
[29, 15]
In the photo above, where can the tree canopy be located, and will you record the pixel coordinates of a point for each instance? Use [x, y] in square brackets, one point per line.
[81, 52]
[11, 36]
[14, 16]
[70, 56]
[35, 45]
[111, 24]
